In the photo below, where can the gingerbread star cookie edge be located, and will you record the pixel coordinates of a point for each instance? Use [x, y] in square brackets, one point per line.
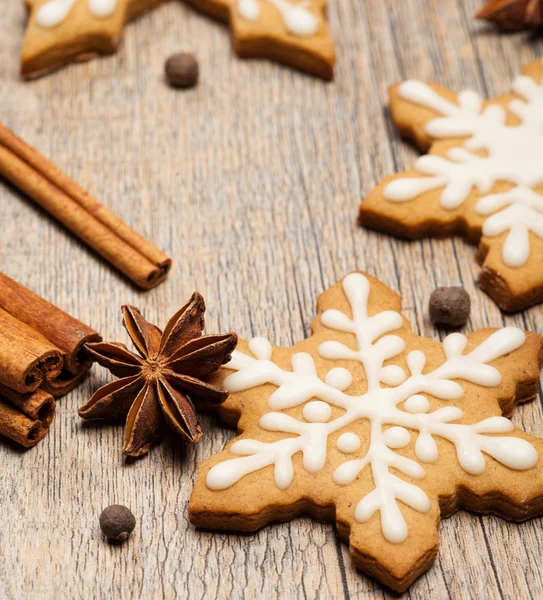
[291, 32]
[286, 31]
[60, 32]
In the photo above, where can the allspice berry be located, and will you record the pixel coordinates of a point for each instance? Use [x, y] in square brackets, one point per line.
[450, 306]
[182, 70]
[117, 522]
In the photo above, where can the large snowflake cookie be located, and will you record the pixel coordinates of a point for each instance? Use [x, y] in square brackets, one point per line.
[373, 427]
[482, 178]
[294, 32]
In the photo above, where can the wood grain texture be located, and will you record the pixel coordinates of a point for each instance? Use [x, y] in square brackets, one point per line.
[251, 182]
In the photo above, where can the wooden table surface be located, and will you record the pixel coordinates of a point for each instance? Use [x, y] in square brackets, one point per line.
[251, 182]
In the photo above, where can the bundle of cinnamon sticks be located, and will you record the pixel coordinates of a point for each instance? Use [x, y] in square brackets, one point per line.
[42, 356]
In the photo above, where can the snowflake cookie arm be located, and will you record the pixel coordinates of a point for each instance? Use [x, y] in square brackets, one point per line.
[399, 565]
[292, 32]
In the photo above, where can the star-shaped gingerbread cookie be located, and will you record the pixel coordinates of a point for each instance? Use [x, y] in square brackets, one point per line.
[482, 179]
[293, 32]
[373, 427]
[62, 31]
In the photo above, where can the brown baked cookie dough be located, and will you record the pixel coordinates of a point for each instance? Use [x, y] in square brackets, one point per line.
[291, 32]
[372, 427]
[63, 31]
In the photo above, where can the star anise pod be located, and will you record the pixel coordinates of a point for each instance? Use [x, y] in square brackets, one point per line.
[163, 385]
[513, 14]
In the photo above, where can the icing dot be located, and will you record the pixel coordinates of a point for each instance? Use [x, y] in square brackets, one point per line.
[392, 375]
[348, 442]
[396, 437]
[102, 8]
[339, 378]
[417, 404]
[317, 412]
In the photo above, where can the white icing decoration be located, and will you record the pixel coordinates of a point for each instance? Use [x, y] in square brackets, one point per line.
[102, 8]
[339, 378]
[317, 412]
[297, 19]
[54, 12]
[374, 344]
[249, 9]
[348, 443]
[513, 154]
[396, 437]
[417, 404]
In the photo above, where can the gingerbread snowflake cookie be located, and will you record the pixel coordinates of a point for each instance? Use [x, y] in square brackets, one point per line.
[293, 32]
[482, 178]
[372, 426]
[63, 31]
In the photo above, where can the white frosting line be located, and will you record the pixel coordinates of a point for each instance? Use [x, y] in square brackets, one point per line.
[379, 405]
[54, 12]
[513, 155]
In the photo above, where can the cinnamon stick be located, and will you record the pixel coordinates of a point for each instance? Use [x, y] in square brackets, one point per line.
[22, 429]
[82, 214]
[38, 405]
[67, 333]
[42, 355]
[26, 357]
[64, 383]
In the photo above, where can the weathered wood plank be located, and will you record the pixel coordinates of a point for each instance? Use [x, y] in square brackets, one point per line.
[251, 182]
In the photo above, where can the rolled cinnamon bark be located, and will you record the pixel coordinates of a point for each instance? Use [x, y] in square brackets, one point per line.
[80, 212]
[38, 405]
[65, 382]
[26, 357]
[18, 427]
[64, 331]
[36, 340]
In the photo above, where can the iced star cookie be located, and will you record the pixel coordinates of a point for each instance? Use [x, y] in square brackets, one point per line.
[63, 31]
[292, 32]
[482, 179]
[373, 427]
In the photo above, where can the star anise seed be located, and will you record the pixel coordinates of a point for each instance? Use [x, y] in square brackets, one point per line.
[162, 386]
